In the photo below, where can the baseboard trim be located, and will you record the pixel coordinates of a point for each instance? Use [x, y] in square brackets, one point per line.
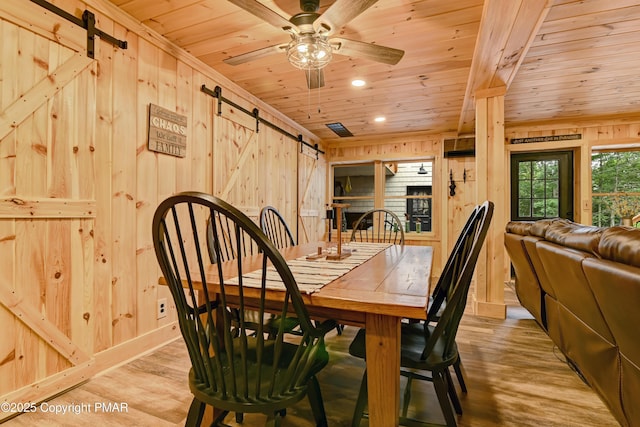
[491, 309]
[123, 353]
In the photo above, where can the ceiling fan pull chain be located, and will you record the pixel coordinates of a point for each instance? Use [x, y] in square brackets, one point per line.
[319, 88]
[308, 96]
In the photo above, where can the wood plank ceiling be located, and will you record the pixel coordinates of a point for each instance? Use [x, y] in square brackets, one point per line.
[562, 59]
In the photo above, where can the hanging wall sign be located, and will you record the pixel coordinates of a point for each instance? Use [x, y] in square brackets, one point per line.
[167, 131]
[548, 138]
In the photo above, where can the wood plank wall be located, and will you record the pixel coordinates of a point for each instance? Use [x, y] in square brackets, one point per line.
[78, 187]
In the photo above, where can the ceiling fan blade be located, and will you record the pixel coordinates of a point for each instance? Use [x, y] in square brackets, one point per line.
[374, 52]
[261, 11]
[256, 54]
[315, 78]
[339, 14]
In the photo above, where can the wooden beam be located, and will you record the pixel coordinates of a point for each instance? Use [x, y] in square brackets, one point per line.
[507, 30]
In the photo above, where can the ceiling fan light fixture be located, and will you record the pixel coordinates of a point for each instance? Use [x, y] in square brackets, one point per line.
[309, 52]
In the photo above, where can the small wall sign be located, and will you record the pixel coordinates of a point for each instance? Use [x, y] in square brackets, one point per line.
[167, 131]
[548, 138]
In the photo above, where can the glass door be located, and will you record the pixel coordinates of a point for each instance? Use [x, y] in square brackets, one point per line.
[541, 185]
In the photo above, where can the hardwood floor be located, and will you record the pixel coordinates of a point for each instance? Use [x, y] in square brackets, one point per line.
[514, 375]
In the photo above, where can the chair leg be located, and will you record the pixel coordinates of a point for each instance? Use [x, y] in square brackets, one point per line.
[196, 412]
[361, 402]
[315, 399]
[274, 420]
[407, 397]
[440, 384]
[239, 417]
[453, 394]
[460, 374]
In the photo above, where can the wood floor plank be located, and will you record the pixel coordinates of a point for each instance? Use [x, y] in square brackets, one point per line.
[514, 374]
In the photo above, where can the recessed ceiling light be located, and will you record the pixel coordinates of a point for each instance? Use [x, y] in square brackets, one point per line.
[358, 83]
[380, 119]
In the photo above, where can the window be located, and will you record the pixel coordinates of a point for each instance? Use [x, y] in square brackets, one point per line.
[406, 188]
[418, 208]
[541, 185]
[615, 186]
[355, 185]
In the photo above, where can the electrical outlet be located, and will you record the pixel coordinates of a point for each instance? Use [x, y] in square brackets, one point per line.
[162, 308]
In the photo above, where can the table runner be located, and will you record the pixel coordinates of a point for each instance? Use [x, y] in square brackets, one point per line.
[312, 275]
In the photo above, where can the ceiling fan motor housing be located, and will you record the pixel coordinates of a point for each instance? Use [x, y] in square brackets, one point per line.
[310, 5]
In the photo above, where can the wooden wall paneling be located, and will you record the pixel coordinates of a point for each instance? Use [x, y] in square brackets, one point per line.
[7, 226]
[155, 177]
[30, 285]
[183, 105]
[82, 243]
[123, 204]
[190, 169]
[58, 260]
[21, 108]
[8, 350]
[40, 326]
[30, 178]
[278, 167]
[235, 158]
[8, 80]
[201, 131]
[582, 184]
[166, 84]
[102, 229]
[311, 196]
[7, 164]
[8, 92]
[38, 20]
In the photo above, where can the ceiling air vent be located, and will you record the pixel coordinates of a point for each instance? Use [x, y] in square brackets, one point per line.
[339, 129]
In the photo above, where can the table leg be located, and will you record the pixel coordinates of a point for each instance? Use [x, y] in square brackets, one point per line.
[383, 369]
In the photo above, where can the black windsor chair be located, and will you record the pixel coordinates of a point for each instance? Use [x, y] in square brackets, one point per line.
[428, 346]
[236, 366]
[276, 228]
[378, 225]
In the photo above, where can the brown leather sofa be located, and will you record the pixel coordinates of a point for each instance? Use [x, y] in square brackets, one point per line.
[582, 285]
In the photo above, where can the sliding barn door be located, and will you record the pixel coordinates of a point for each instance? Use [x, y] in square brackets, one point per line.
[47, 203]
[311, 195]
[254, 165]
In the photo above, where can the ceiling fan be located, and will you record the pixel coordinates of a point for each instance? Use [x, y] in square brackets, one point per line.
[311, 46]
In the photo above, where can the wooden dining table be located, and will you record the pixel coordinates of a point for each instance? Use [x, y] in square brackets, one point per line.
[376, 294]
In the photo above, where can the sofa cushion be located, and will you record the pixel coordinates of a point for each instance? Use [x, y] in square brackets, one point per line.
[621, 244]
[539, 228]
[521, 228]
[583, 238]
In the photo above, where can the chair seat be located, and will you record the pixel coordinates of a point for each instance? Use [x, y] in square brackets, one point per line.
[411, 349]
[246, 399]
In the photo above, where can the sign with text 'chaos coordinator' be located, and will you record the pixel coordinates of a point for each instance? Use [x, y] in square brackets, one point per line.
[167, 131]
